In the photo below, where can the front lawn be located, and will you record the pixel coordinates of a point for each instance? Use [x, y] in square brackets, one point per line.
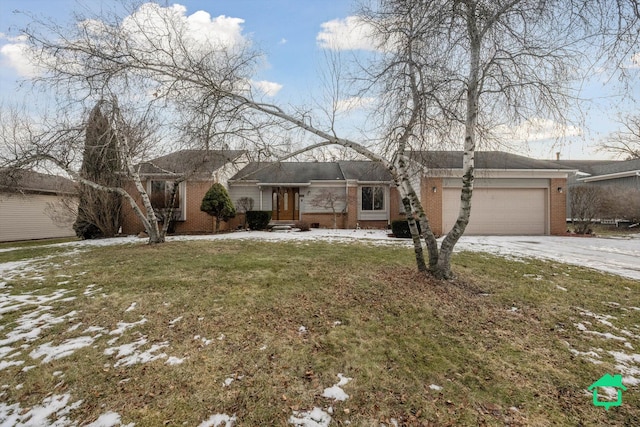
[263, 333]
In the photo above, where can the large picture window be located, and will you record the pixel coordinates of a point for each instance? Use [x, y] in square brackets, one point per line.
[372, 198]
[160, 195]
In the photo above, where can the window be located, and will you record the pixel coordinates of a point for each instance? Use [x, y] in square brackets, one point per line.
[160, 195]
[372, 198]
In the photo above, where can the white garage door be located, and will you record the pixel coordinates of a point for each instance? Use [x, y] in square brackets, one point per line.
[495, 211]
[24, 217]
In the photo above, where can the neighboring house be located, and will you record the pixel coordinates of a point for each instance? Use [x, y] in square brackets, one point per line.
[613, 174]
[36, 206]
[512, 194]
[201, 169]
[357, 193]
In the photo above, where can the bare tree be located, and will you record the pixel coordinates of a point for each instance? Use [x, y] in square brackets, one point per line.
[330, 199]
[243, 205]
[620, 203]
[59, 144]
[626, 142]
[449, 70]
[586, 204]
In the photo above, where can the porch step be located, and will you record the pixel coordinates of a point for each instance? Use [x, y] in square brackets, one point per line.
[281, 228]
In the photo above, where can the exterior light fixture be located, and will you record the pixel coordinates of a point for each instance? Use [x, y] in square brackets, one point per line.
[434, 189]
[559, 189]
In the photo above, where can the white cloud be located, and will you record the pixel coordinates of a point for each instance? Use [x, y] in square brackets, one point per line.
[266, 87]
[353, 103]
[15, 56]
[149, 24]
[202, 32]
[538, 129]
[350, 33]
[282, 41]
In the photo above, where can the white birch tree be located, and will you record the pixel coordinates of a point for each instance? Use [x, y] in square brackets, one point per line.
[448, 70]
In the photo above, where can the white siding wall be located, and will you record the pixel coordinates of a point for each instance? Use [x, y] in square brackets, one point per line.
[24, 217]
[238, 191]
[310, 193]
[373, 215]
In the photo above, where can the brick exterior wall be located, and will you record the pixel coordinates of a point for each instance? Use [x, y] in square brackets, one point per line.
[197, 221]
[394, 206]
[352, 208]
[558, 206]
[432, 202]
[325, 220]
[201, 223]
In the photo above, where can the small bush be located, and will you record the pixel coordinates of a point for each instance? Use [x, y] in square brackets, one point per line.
[302, 225]
[258, 220]
[400, 228]
[86, 230]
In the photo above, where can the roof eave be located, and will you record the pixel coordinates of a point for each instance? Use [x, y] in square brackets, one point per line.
[609, 176]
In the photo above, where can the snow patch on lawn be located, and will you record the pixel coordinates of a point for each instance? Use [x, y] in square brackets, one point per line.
[336, 392]
[629, 366]
[128, 354]
[109, 419]
[204, 340]
[174, 321]
[174, 361]
[217, 420]
[55, 408]
[67, 348]
[314, 418]
[123, 326]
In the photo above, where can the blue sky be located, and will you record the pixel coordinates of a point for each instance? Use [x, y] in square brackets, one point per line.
[287, 31]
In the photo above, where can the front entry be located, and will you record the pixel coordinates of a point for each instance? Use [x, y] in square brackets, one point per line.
[286, 204]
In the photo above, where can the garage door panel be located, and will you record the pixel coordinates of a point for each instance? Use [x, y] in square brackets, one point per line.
[499, 210]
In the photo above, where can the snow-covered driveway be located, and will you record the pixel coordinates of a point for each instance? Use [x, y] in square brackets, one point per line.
[612, 255]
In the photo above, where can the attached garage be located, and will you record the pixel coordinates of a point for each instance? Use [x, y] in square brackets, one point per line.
[513, 195]
[496, 211]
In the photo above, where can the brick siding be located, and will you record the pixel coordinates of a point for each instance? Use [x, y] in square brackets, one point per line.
[558, 206]
[432, 202]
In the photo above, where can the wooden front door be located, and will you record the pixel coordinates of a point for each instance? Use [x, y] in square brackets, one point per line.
[286, 203]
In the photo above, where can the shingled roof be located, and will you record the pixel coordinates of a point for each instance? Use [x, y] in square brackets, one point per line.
[28, 181]
[290, 172]
[305, 172]
[365, 171]
[587, 166]
[196, 162]
[483, 160]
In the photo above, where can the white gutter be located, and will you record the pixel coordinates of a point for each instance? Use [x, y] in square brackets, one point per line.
[610, 176]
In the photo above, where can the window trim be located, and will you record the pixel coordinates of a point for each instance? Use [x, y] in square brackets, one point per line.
[182, 194]
[383, 207]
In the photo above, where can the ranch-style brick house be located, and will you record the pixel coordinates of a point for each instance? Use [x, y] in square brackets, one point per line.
[513, 194]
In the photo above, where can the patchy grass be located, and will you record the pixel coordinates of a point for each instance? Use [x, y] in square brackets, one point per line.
[40, 242]
[262, 329]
